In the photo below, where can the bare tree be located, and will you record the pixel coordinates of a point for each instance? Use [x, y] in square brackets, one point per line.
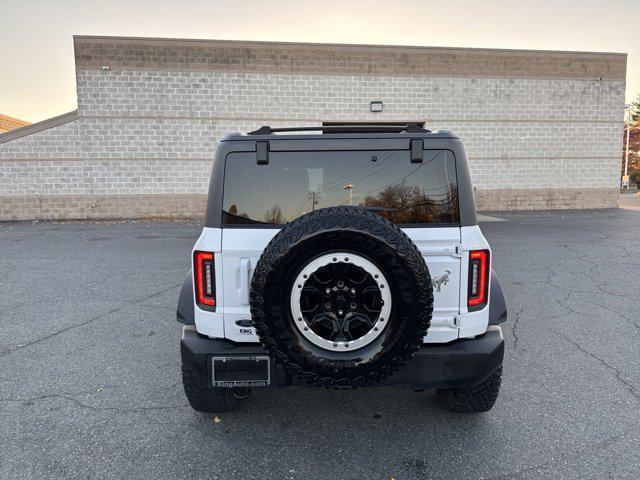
[274, 215]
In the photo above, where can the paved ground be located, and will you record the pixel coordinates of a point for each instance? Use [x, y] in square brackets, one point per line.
[89, 382]
[630, 201]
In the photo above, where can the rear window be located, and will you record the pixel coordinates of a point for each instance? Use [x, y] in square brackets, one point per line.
[295, 183]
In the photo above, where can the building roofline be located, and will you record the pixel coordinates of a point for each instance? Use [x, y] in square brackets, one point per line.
[128, 39]
[254, 57]
[38, 126]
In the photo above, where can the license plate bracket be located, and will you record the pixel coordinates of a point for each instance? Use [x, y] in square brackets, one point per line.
[237, 371]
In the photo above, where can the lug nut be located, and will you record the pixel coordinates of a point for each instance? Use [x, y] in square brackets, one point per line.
[353, 305]
[327, 305]
[327, 291]
[340, 313]
[340, 284]
[353, 291]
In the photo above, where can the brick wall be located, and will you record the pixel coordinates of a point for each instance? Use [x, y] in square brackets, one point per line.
[9, 123]
[542, 132]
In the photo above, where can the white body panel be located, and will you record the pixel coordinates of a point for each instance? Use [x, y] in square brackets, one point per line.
[242, 249]
[438, 247]
[237, 250]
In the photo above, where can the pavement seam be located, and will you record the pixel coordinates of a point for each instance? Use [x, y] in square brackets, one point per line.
[610, 440]
[86, 322]
[578, 312]
[91, 407]
[630, 387]
[514, 328]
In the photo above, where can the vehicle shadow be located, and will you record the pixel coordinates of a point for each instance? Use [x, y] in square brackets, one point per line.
[374, 432]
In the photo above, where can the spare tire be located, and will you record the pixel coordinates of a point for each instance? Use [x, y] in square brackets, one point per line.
[341, 297]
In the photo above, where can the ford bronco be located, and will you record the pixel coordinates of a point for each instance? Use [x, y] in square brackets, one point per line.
[350, 257]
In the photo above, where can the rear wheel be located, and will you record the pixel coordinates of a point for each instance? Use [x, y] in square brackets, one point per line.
[203, 398]
[480, 398]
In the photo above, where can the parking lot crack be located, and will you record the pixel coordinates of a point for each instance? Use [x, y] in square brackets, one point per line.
[549, 276]
[630, 387]
[514, 328]
[628, 320]
[566, 299]
[93, 408]
[571, 292]
[589, 449]
[88, 321]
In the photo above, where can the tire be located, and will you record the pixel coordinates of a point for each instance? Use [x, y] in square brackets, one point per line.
[368, 236]
[480, 398]
[207, 399]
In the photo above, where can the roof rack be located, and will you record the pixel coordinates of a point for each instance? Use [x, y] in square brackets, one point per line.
[409, 128]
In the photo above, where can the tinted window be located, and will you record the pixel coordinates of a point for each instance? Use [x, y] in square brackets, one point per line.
[294, 183]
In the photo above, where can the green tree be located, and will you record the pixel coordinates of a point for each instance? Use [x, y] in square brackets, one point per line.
[635, 110]
[634, 153]
[634, 143]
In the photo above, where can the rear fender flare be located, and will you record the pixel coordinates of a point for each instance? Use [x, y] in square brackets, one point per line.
[497, 304]
[185, 313]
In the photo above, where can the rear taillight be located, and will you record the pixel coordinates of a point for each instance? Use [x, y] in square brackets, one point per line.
[204, 278]
[478, 279]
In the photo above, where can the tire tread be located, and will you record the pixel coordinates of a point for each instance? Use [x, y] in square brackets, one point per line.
[203, 398]
[480, 398]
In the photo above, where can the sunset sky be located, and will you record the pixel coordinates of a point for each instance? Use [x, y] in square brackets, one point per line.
[36, 48]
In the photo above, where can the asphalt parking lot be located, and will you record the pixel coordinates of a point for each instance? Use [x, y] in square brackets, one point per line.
[90, 385]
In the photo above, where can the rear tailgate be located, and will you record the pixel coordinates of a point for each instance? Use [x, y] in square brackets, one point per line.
[416, 192]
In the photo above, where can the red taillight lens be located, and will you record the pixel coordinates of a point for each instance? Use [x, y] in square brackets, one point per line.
[478, 279]
[204, 278]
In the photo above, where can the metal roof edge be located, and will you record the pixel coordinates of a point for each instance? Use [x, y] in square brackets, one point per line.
[125, 39]
[38, 126]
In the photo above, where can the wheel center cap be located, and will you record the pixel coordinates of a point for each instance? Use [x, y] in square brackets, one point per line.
[341, 302]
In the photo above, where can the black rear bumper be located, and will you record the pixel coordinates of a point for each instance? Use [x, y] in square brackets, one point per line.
[462, 363]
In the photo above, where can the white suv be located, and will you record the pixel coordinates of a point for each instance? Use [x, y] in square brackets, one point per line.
[345, 259]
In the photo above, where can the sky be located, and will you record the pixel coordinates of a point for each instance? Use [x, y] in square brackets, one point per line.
[36, 47]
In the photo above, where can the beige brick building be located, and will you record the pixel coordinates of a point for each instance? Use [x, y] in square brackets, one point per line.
[10, 123]
[542, 129]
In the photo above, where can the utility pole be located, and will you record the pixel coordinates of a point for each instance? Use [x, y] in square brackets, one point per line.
[626, 155]
[314, 200]
[349, 187]
[625, 178]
